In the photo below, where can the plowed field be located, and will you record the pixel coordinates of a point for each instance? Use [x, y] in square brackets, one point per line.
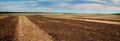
[56, 29]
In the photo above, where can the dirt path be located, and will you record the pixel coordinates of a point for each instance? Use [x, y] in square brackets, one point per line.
[77, 30]
[99, 21]
[28, 31]
[115, 20]
[93, 19]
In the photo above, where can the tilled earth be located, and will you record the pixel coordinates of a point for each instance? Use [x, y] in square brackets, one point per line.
[76, 30]
[7, 28]
[63, 29]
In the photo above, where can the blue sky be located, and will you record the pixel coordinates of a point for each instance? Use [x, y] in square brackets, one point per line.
[70, 6]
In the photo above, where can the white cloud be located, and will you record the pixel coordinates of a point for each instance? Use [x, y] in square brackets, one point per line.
[12, 8]
[21, 6]
[67, 0]
[54, 0]
[92, 7]
[101, 1]
[116, 1]
[42, 0]
[77, 6]
[87, 6]
[18, 3]
[24, 6]
[112, 8]
[42, 8]
[63, 4]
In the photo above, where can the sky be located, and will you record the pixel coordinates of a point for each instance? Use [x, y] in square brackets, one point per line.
[70, 6]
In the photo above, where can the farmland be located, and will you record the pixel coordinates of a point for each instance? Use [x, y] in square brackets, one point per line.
[59, 27]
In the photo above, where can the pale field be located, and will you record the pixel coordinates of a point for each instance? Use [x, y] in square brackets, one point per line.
[77, 16]
[1, 17]
[109, 19]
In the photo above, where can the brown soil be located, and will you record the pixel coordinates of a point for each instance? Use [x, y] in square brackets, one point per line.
[77, 30]
[37, 26]
[7, 28]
